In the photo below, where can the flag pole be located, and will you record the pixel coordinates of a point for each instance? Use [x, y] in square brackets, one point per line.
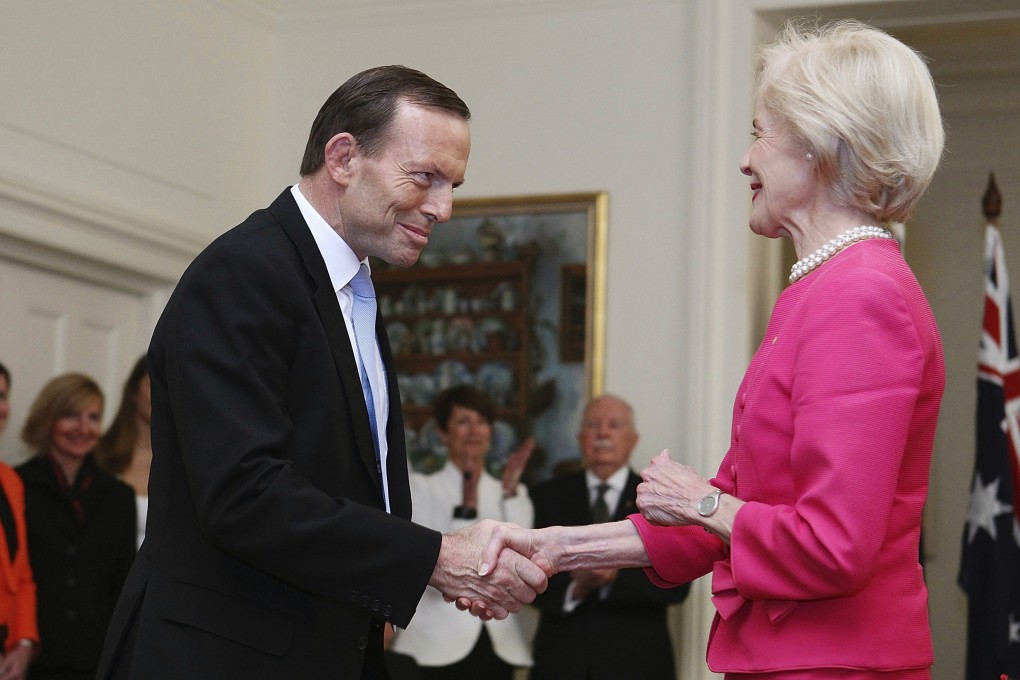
[990, 554]
[991, 202]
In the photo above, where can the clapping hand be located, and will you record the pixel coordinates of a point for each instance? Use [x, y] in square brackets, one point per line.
[515, 465]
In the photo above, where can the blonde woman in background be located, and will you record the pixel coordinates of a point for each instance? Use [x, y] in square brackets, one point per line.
[81, 528]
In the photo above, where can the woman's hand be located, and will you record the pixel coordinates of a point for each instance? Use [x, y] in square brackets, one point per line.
[670, 492]
[515, 465]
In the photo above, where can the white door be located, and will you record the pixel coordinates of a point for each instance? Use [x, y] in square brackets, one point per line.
[51, 324]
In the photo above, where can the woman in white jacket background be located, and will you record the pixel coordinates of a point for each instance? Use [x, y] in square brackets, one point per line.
[446, 644]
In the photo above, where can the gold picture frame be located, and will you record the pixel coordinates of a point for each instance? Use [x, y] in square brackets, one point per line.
[488, 303]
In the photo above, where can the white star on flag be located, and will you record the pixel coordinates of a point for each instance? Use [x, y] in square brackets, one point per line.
[984, 507]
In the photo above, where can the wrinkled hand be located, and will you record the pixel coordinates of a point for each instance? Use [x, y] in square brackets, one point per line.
[509, 542]
[670, 491]
[495, 592]
[587, 581]
[537, 545]
[515, 465]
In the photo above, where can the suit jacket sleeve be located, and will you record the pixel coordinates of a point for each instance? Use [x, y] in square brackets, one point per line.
[127, 517]
[249, 453]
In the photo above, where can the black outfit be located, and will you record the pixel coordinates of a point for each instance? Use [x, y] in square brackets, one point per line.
[624, 635]
[268, 552]
[81, 541]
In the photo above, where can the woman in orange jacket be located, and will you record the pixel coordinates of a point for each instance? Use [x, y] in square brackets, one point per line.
[19, 636]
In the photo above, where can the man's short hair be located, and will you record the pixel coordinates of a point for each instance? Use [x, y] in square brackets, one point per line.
[366, 104]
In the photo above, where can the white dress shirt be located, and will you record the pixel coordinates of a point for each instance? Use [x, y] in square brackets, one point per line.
[616, 482]
[342, 264]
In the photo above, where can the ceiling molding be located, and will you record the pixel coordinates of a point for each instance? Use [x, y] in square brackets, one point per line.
[304, 14]
[37, 219]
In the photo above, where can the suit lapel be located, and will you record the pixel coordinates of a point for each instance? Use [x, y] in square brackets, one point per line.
[289, 215]
[396, 457]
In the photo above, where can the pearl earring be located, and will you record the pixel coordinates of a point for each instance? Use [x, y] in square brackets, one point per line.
[809, 156]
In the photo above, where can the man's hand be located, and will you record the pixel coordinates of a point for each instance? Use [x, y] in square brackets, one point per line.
[587, 581]
[492, 593]
[507, 543]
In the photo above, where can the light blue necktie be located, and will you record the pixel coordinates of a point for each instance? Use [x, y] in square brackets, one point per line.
[363, 320]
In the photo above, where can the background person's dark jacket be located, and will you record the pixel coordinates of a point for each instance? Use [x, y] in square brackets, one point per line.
[623, 636]
[79, 568]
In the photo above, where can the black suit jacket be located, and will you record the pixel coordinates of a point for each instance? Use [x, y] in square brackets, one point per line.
[624, 635]
[268, 552]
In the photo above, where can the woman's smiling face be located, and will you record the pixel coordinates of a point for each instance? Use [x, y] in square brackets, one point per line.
[76, 434]
[783, 180]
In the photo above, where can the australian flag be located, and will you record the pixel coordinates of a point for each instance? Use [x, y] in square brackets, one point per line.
[990, 563]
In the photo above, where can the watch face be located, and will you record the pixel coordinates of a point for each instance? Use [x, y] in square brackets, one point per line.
[708, 504]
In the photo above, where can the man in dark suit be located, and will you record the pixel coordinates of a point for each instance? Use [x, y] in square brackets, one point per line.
[601, 624]
[278, 542]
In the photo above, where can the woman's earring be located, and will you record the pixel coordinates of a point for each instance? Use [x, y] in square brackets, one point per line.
[809, 156]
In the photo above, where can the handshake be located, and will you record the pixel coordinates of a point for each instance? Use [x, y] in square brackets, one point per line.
[475, 571]
[492, 569]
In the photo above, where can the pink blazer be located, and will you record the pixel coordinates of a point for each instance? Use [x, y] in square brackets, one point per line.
[830, 447]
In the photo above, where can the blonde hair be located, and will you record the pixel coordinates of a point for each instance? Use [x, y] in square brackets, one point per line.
[864, 105]
[61, 396]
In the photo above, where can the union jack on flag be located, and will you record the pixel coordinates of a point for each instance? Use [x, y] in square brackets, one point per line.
[990, 561]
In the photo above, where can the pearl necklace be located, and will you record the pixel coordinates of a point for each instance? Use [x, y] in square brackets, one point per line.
[805, 265]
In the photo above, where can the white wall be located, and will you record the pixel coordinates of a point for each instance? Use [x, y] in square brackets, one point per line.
[561, 101]
[133, 131]
[138, 126]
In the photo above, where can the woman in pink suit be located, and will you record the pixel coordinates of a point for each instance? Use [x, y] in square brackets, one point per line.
[810, 528]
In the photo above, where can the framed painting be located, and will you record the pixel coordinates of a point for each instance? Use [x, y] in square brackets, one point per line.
[508, 296]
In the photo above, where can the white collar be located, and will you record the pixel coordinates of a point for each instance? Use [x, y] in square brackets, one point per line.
[341, 262]
[616, 481]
